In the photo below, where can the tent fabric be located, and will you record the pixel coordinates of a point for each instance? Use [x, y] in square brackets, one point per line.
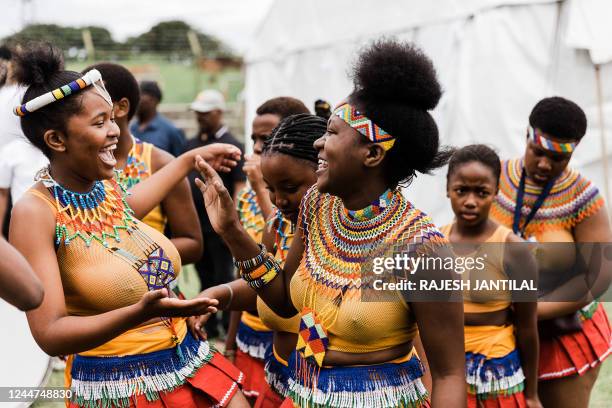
[495, 60]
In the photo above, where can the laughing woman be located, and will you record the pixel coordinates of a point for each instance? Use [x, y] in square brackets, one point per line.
[105, 274]
[352, 353]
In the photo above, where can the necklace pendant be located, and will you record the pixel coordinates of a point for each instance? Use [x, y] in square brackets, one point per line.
[312, 341]
[157, 270]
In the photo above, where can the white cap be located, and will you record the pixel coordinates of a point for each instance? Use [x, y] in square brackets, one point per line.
[208, 100]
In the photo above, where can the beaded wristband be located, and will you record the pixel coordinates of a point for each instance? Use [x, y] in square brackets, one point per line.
[264, 274]
[252, 263]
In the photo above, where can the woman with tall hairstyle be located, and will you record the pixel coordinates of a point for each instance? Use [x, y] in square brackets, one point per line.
[106, 275]
[349, 352]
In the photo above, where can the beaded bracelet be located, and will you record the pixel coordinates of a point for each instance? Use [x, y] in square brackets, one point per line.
[264, 274]
[252, 263]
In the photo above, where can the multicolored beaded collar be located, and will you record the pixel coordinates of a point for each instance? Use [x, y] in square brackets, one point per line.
[538, 138]
[374, 209]
[96, 215]
[365, 126]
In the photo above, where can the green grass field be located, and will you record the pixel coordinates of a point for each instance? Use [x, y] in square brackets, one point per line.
[180, 81]
[189, 283]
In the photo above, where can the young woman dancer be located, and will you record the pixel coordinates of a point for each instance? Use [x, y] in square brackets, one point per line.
[501, 337]
[543, 199]
[105, 274]
[137, 161]
[351, 352]
[248, 339]
[288, 163]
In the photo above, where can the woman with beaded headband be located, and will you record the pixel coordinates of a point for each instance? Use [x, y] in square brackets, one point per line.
[544, 200]
[248, 339]
[501, 335]
[352, 352]
[288, 164]
[106, 275]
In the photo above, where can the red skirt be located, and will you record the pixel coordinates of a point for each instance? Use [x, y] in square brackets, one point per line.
[254, 374]
[213, 385]
[575, 353]
[516, 400]
[269, 399]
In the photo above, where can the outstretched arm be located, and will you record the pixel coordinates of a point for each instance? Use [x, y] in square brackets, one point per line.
[147, 194]
[225, 222]
[56, 332]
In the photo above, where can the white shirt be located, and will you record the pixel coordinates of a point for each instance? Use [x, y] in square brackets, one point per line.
[10, 125]
[19, 163]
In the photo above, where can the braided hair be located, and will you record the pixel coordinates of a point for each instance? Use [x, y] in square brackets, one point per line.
[295, 137]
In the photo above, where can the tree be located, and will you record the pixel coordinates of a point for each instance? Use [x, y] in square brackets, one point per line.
[170, 37]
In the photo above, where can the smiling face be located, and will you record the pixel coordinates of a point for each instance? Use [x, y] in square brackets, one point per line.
[544, 165]
[263, 125]
[91, 137]
[471, 189]
[341, 155]
[287, 180]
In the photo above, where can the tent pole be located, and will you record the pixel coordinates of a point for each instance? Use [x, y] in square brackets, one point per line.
[604, 149]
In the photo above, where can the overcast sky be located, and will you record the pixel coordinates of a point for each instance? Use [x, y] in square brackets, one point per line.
[234, 21]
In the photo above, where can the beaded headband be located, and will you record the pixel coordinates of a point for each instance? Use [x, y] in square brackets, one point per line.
[537, 138]
[91, 77]
[365, 126]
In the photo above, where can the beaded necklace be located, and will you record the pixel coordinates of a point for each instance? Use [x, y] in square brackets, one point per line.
[285, 230]
[572, 199]
[136, 168]
[339, 245]
[98, 216]
[250, 214]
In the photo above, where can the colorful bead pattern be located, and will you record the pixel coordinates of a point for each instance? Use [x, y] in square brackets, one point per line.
[93, 216]
[572, 199]
[157, 270]
[364, 125]
[539, 139]
[45, 99]
[250, 214]
[312, 337]
[135, 169]
[340, 246]
[284, 236]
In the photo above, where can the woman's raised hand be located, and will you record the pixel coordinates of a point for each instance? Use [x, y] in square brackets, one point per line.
[220, 156]
[219, 205]
[157, 303]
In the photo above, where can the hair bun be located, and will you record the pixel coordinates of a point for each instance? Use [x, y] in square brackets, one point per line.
[390, 70]
[37, 63]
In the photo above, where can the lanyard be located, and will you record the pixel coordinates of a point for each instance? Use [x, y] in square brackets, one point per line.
[536, 206]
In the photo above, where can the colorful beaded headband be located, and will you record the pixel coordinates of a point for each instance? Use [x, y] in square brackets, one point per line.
[537, 138]
[43, 100]
[364, 126]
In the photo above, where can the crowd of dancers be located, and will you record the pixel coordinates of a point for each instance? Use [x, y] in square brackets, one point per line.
[90, 262]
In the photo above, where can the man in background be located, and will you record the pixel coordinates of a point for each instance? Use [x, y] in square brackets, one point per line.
[153, 127]
[216, 265]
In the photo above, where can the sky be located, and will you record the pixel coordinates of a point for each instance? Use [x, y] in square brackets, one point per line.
[233, 21]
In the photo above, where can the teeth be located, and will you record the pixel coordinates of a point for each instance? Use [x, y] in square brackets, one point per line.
[109, 148]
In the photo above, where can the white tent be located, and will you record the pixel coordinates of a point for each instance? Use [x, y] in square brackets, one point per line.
[495, 60]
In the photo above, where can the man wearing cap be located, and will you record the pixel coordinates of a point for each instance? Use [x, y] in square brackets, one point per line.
[151, 126]
[216, 265]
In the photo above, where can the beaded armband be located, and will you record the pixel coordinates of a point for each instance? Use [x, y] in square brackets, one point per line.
[252, 263]
[262, 274]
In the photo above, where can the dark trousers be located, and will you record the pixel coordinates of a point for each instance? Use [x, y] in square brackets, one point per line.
[214, 268]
